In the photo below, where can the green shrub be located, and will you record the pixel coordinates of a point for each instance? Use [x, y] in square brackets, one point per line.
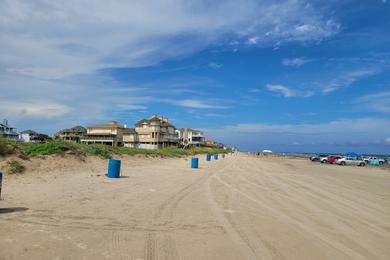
[101, 150]
[14, 166]
[49, 148]
[60, 147]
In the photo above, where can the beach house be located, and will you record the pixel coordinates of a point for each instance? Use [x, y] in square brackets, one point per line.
[190, 137]
[130, 138]
[153, 133]
[27, 135]
[8, 131]
[110, 133]
[72, 134]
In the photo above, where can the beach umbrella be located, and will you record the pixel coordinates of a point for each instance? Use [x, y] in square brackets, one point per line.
[352, 154]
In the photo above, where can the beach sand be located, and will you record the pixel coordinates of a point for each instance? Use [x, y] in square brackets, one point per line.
[240, 207]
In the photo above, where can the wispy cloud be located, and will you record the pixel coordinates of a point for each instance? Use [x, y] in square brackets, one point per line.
[58, 51]
[128, 34]
[198, 103]
[342, 80]
[337, 135]
[133, 107]
[288, 92]
[296, 62]
[214, 65]
[346, 79]
[378, 102]
[35, 108]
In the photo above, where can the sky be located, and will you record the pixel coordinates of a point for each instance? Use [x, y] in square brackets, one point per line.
[290, 76]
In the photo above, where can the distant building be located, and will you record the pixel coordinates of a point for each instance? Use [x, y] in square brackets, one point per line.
[153, 133]
[27, 135]
[190, 137]
[130, 138]
[209, 142]
[110, 133]
[214, 144]
[8, 131]
[72, 134]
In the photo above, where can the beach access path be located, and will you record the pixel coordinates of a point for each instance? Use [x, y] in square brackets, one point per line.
[239, 207]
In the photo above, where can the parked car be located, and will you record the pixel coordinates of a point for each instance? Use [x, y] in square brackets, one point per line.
[324, 159]
[356, 161]
[317, 158]
[375, 159]
[332, 159]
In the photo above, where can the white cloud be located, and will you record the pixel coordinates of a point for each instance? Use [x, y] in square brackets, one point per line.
[387, 140]
[346, 79]
[214, 65]
[343, 80]
[252, 40]
[55, 50]
[288, 92]
[47, 39]
[341, 134]
[36, 108]
[295, 62]
[132, 107]
[285, 91]
[358, 125]
[305, 28]
[197, 103]
[378, 102]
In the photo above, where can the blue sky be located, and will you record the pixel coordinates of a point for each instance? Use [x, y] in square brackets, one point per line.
[280, 75]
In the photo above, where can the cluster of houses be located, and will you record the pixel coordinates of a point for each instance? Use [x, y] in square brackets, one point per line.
[153, 133]
[11, 133]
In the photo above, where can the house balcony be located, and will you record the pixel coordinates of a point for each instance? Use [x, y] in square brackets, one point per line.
[98, 137]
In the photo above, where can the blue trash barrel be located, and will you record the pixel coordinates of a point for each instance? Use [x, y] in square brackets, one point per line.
[1, 182]
[114, 168]
[216, 156]
[208, 157]
[194, 162]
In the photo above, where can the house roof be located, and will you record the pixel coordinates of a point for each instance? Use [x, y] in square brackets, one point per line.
[129, 131]
[31, 132]
[73, 129]
[163, 121]
[78, 128]
[110, 124]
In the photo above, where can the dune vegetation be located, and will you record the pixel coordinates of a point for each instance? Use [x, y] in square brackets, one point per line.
[30, 150]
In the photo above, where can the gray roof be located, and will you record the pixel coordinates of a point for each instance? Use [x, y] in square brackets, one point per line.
[31, 132]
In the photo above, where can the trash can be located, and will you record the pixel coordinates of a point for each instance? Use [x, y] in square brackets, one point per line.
[194, 162]
[114, 168]
[208, 157]
[223, 155]
[216, 156]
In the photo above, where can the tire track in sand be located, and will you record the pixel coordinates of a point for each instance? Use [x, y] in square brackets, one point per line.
[237, 235]
[165, 214]
[285, 218]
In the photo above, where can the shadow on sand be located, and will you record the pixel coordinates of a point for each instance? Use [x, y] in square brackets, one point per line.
[12, 210]
[120, 177]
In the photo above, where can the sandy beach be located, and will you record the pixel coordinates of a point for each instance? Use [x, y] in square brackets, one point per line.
[240, 207]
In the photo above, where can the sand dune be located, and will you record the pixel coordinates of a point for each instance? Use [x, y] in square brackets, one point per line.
[240, 207]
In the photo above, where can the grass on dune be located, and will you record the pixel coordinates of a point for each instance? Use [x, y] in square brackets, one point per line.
[104, 151]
